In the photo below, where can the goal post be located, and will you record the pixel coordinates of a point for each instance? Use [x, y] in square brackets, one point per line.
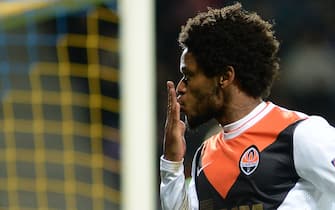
[138, 104]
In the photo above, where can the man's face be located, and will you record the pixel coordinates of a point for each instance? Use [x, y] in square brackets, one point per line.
[199, 96]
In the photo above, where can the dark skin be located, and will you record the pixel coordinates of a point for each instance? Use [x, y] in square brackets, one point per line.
[201, 98]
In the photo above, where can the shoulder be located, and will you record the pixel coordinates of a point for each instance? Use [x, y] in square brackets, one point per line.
[309, 125]
[313, 147]
[314, 126]
[313, 136]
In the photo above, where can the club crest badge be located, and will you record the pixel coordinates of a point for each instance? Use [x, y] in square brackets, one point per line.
[249, 160]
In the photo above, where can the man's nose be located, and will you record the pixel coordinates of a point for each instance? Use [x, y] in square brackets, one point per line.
[181, 87]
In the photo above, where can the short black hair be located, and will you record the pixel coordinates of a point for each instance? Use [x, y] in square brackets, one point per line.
[232, 36]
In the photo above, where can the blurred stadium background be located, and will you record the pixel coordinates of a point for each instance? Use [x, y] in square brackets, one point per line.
[60, 144]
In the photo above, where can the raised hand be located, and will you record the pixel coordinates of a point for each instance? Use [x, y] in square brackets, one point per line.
[174, 140]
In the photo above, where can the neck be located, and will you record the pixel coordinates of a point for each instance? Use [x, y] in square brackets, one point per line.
[239, 106]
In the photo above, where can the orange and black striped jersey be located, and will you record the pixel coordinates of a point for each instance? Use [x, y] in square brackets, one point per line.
[273, 158]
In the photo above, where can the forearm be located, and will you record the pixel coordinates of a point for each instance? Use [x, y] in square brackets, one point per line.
[173, 191]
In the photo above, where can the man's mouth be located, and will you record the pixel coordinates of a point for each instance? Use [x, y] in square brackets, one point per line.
[182, 107]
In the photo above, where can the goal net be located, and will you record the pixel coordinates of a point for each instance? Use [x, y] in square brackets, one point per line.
[59, 106]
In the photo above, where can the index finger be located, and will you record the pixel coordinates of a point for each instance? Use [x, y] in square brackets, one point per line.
[173, 106]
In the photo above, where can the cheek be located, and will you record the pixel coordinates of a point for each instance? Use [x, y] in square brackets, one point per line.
[208, 100]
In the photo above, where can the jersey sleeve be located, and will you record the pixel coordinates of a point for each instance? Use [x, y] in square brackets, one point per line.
[314, 154]
[173, 191]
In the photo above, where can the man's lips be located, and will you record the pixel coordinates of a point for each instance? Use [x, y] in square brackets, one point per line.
[182, 105]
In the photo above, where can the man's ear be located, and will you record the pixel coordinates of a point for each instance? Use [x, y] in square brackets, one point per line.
[227, 77]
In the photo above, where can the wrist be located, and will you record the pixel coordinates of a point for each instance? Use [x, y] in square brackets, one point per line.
[173, 157]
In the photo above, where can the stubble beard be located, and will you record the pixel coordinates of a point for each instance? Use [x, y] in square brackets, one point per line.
[210, 111]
